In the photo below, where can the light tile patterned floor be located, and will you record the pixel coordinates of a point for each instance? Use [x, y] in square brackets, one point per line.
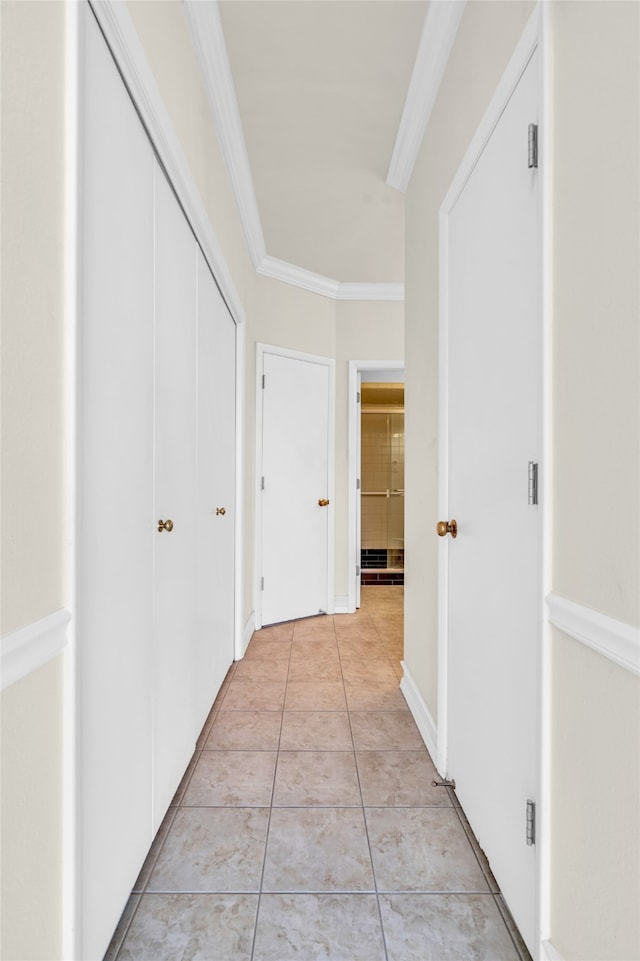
[307, 826]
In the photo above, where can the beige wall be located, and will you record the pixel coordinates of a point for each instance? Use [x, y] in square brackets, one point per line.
[596, 551]
[32, 467]
[364, 331]
[595, 851]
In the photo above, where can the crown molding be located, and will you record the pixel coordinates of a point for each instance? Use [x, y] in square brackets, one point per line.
[326, 286]
[438, 34]
[207, 36]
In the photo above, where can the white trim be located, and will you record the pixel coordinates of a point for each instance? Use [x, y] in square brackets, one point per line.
[298, 277]
[341, 604]
[543, 813]
[550, 953]
[438, 35]
[31, 647]
[117, 26]
[615, 640]
[241, 374]
[353, 547]
[330, 364]
[421, 713]
[207, 36]
[247, 634]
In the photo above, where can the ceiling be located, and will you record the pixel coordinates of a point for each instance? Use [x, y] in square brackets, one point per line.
[321, 86]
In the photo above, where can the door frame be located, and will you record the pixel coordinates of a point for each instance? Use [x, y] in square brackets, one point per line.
[330, 364]
[536, 36]
[356, 367]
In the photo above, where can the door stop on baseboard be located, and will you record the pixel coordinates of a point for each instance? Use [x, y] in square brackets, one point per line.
[445, 783]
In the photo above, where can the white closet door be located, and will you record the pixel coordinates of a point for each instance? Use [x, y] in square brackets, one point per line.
[115, 507]
[216, 491]
[174, 719]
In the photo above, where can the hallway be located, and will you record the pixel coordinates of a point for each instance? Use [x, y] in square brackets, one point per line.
[307, 826]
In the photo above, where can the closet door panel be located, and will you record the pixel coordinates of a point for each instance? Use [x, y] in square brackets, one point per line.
[115, 485]
[174, 721]
[216, 490]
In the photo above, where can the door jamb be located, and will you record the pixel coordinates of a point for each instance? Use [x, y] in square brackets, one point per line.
[330, 364]
[535, 37]
[355, 369]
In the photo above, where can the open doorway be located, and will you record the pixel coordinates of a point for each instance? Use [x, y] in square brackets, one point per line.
[376, 476]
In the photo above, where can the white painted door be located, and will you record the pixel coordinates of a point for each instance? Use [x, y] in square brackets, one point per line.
[115, 507]
[494, 564]
[215, 542]
[175, 495]
[296, 421]
[359, 490]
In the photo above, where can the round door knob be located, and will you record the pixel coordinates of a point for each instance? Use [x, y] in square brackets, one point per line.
[165, 526]
[447, 527]
[323, 502]
[221, 511]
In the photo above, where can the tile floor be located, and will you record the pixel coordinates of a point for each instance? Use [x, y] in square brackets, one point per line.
[307, 826]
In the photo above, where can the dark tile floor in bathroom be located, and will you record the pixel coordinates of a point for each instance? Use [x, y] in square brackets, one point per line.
[307, 826]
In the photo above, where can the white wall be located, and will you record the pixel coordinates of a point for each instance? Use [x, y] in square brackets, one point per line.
[33, 518]
[595, 724]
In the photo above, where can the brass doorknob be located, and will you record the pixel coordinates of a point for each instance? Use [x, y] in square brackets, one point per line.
[221, 510]
[443, 528]
[322, 502]
[165, 526]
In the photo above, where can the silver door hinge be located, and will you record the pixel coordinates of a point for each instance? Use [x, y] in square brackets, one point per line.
[262, 583]
[533, 145]
[358, 484]
[532, 487]
[263, 381]
[262, 483]
[358, 397]
[357, 570]
[531, 823]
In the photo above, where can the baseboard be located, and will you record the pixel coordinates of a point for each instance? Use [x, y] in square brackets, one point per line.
[421, 714]
[249, 628]
[615, 640]
[30, 647]
[549, 953]
[341, 605]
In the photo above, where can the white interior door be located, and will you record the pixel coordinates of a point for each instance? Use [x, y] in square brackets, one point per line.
[215, 593]
[359, 490]
[297, 430]
[115, 508]
[494, 430]
[175, 495]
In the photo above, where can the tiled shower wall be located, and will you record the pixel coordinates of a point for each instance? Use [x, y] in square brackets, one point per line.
[382, 467]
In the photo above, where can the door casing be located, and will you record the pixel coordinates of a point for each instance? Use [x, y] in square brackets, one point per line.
[356, 367]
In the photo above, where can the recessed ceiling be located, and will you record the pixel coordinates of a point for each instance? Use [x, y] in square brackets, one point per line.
[321, 86]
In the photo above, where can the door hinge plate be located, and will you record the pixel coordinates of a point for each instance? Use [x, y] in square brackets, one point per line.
[533, 145]
[358, 484]
[357, 570]
[263, 380]
[532, 487]
[262, 583]
[262, 483]
[531, 823]
[358, 397]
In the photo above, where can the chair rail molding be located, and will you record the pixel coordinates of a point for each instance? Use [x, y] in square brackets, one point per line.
[615, 640]
[31, 647]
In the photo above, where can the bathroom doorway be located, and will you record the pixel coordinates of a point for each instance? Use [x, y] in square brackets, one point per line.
[376, 476]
